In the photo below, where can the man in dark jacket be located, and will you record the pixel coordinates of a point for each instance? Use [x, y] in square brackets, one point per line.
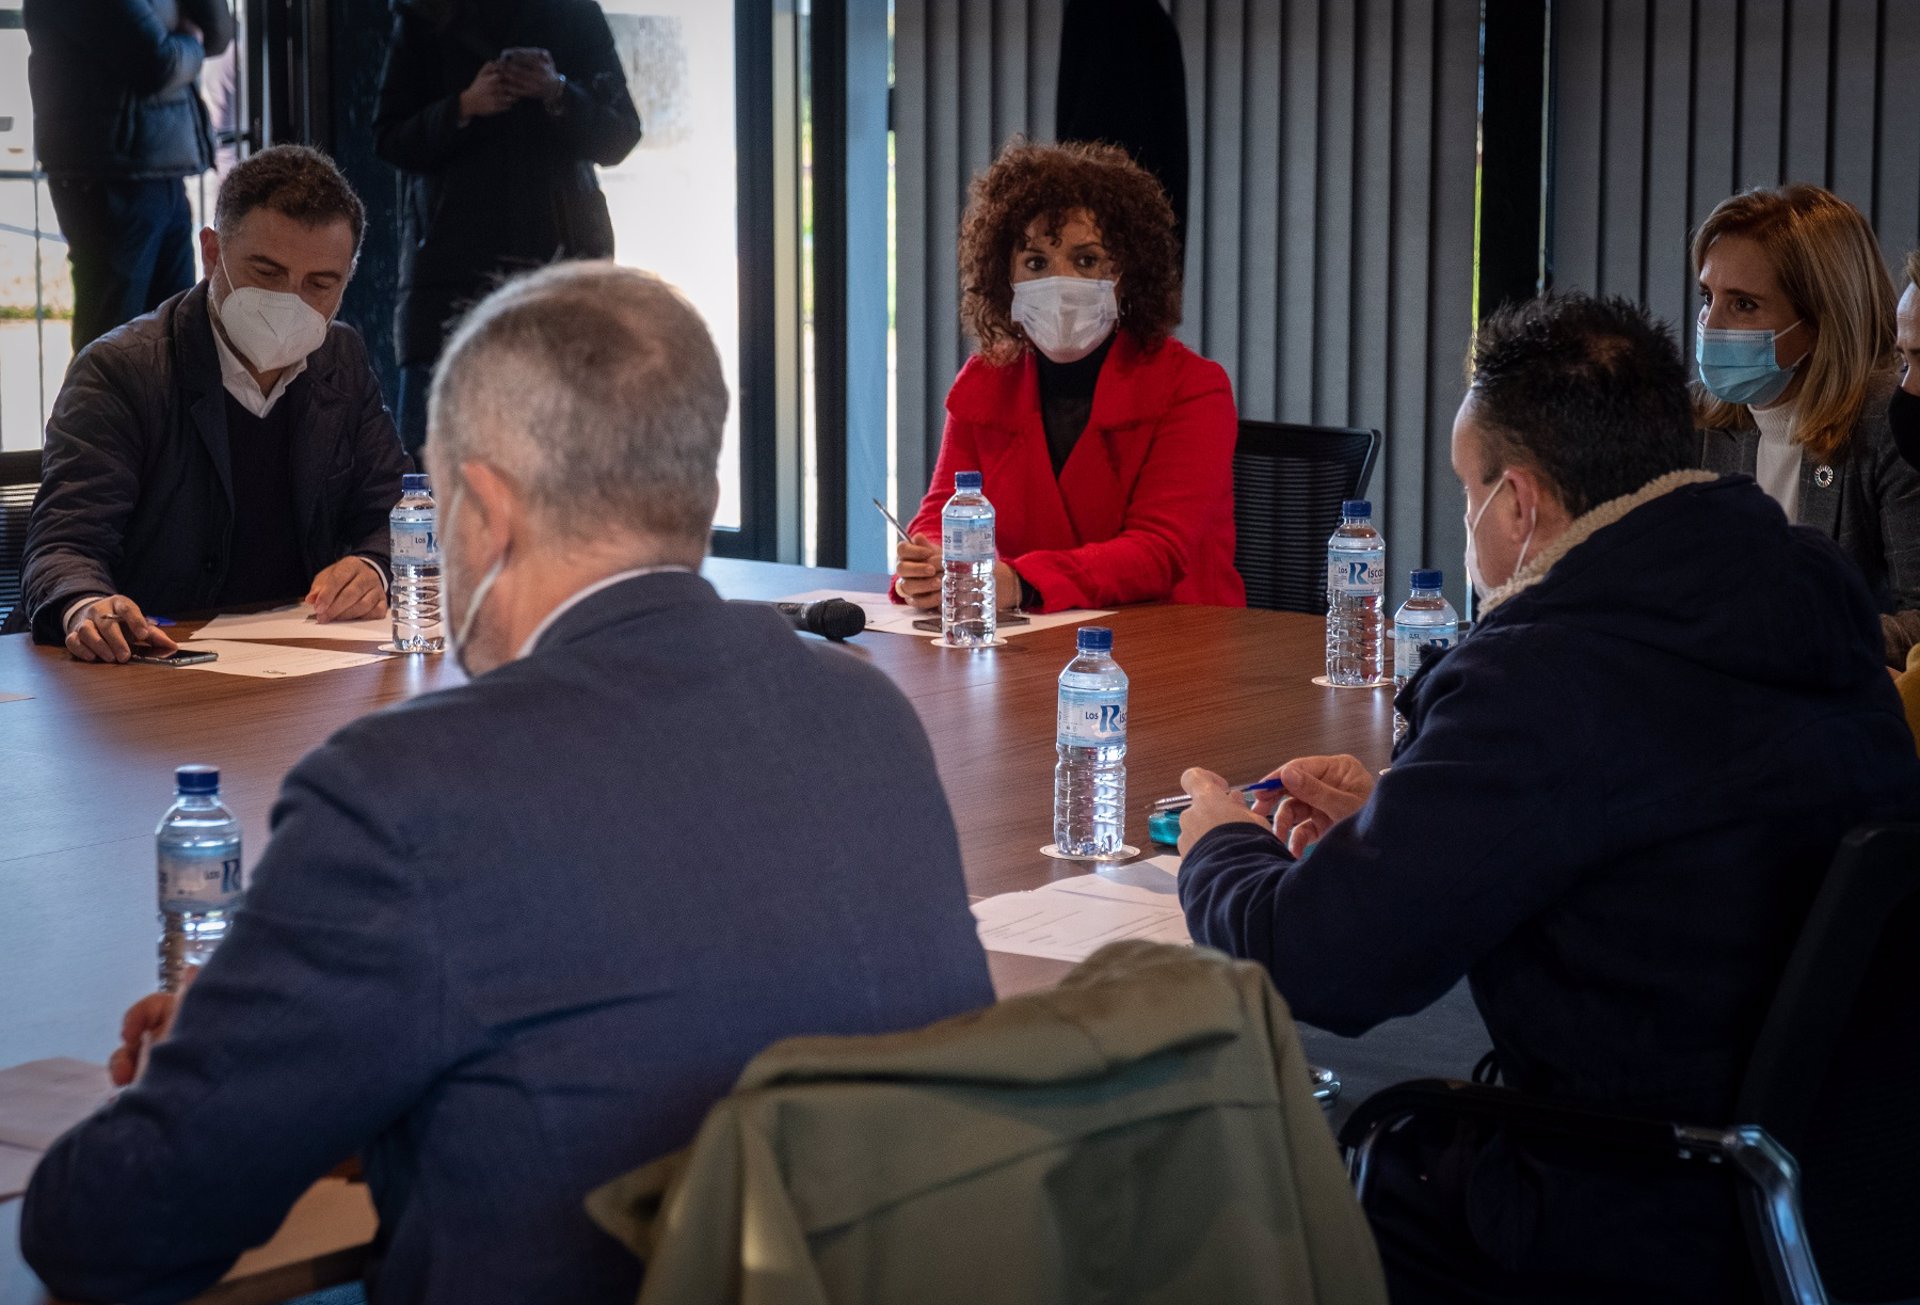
[496, 111]
[117, 123]
[231, 448]
[1615, 801]
[512, 940]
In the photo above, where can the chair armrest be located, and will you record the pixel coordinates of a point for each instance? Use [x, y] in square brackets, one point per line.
[1451, 1097]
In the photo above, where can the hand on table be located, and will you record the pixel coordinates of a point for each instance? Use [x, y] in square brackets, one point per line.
[349, 590]
[1212, 807]
[147, 1021]
[1320, 793]
[916, 576]
[489, 94]
[109, 629]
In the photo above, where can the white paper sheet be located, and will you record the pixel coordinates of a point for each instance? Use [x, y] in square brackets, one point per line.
[1070, 919]
[273, 661]
[886, 617]
[294, 622]
[16, 1167]
[44, 1098]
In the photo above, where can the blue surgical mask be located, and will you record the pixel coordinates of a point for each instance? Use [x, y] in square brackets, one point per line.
[1743, 366]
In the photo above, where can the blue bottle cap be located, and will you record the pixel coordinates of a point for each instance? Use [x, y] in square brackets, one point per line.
[965, 480]
[1427, 579]
[1095, 638]
[197, 779]
[412, 483]
[1356, 507]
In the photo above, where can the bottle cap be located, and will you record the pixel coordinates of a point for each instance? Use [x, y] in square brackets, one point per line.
[1356, 507]
[1427, 579]
[197, 779]
[1094, 638]
[412, 483]
[965, 480]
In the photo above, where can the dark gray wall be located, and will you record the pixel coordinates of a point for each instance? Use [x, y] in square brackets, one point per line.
[1330, 254]
[1664, 109]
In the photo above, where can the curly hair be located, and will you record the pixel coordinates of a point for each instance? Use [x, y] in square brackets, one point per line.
[1027, 181]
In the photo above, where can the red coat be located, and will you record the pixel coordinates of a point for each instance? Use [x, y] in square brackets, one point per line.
[1143, 510]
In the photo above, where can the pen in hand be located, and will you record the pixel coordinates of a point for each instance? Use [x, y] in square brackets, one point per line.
[893, 521]
[1181, 801]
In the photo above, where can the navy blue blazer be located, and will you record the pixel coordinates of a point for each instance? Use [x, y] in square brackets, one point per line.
[511, 940]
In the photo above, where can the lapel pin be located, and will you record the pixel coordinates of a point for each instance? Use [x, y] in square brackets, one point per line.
[1823, 475]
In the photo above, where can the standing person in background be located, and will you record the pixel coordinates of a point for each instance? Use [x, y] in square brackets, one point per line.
[1123, 82]
[1106, 445]
[1796, 363]
[496, 111]
[118, 124]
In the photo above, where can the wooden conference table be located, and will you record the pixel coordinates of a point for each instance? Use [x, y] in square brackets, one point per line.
[86, 765]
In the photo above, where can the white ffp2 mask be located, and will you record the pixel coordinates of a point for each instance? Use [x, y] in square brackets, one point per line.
[271, 329]
[1066, 317]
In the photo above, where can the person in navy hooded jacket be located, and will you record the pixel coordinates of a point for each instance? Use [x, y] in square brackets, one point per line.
[1614, 803]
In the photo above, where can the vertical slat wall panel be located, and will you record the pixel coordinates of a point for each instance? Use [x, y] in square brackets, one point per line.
[1779, 92]
[1330, 240]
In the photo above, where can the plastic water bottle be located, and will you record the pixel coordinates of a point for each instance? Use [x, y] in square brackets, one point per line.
[1356, 598]
[416, 569]
[1425, 623]
[198, 847]
[1090, 779]
[968, 604]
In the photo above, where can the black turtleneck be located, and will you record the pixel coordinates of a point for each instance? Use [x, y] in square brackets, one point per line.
[1066, 400]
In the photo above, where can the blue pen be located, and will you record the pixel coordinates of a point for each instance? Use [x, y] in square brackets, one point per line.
[1181, 801]
[159, 620]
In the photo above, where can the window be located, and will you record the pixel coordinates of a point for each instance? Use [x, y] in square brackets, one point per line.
[673, 200]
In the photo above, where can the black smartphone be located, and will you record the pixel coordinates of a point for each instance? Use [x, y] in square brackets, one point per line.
[178, 657]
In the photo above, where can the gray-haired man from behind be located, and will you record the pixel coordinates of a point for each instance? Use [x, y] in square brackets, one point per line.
[513, 939]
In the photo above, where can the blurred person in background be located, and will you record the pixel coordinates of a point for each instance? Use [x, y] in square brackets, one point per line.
[495, 112]
[118, 125]
[1796, 368]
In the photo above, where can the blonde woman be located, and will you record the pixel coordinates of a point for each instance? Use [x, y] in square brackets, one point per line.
[1796, 363]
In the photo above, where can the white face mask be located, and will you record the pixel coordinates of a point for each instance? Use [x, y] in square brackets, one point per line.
[459, 633]
[1480, 587]
[271, 329]
[1066, 317]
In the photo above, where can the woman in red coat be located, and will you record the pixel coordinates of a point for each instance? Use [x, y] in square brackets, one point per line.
[1106, 446]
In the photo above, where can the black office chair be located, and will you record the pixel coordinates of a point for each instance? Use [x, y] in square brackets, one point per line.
[1828, 1145]
[19, 482]
[1288, 483]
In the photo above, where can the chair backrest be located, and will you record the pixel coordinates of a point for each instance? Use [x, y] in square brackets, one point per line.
[1835, 1074]
[1288, 482]
[19, 482]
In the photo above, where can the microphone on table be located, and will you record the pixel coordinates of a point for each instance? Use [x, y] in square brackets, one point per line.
[831, 618]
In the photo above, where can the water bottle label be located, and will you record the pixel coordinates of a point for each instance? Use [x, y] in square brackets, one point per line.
[1406, 651]
[416, 543]
[1358, 576]
[206, 881]
[1092, 718]
[967, 541]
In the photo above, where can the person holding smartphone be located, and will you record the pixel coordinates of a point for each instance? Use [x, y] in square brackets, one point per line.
[496, 113]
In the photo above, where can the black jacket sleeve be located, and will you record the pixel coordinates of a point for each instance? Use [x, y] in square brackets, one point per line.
[88, 488]
[378, 463]
[1476, 828]
[127, 37]
[416, 128]
[598, 120]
